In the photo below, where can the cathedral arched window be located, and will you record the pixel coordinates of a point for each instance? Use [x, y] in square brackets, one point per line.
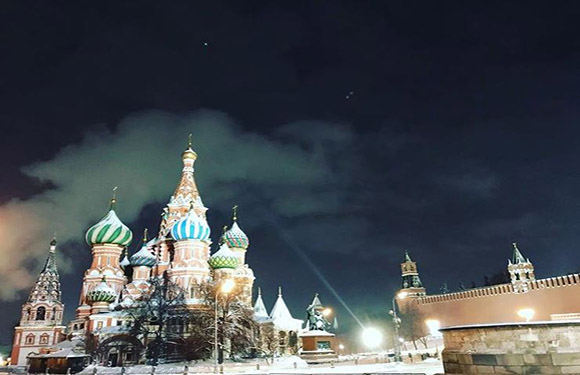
[40, 313]
[44, 339]
[54, 313]
[29, 339]
[28, 313]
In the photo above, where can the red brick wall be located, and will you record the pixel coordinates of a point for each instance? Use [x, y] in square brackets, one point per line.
[548, 296]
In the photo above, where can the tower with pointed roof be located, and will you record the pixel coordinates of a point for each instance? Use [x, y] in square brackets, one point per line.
[183, 242]
[41, 319]
[239, 242]
[107, 238]
[521, 271]
[412, 285]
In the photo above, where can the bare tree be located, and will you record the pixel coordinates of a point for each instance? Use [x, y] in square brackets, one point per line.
[413, 326]
[236, 325]
[163, 321]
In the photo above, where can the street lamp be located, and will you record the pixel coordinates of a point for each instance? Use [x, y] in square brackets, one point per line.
[371, 337]
[397, 322]
[527, 314]
[433, 326]
[226, 287]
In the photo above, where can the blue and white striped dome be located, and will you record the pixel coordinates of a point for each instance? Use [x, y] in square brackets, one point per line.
[191, 227]
[143, 257]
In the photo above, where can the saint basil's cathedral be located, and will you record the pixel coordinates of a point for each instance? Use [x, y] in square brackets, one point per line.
[181, 250]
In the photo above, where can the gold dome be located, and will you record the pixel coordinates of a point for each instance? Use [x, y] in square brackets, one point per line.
[189, 153]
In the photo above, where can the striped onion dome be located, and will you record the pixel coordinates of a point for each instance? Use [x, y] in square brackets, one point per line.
[110, 230]
[235, 237]
[223, 258]
[144, 257]
[190, 227]
[102, 293]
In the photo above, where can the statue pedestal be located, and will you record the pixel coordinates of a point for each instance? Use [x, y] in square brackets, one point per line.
[317, 346]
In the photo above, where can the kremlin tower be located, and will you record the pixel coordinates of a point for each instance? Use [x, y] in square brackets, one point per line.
[521, 271]
[412, 285]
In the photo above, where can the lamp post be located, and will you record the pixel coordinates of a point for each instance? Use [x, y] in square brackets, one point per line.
[397, 322]
[226, 287]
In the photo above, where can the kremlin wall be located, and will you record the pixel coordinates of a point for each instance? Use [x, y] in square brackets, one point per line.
[554, 298]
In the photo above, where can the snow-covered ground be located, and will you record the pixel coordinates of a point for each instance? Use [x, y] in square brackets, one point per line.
[367, 363]
[286, 366]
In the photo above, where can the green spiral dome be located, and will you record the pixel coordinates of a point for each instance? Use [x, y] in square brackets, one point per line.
[223, 258]
[110, 230]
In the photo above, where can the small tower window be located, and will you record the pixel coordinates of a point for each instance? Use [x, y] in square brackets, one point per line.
[44, 339]
[54, 313]
[40, 313]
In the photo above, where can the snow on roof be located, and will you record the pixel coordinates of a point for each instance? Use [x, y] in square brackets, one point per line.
[282, 318]
[62, 353]
[315, 332]
[260, 312]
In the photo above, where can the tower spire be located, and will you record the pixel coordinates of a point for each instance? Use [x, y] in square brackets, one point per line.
[145, 235]
[517, 255]
[113, 199]
[189, 154]
[235, 213]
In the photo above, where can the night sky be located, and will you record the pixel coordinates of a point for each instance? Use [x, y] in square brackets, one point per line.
[346, 131]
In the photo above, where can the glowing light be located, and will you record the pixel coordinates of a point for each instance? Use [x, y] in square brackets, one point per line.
[227, 286]
[326, 312]
[433, 326]
[372, 337]
[402, 295]
[527, 314]
[341, 347]
[401, 340]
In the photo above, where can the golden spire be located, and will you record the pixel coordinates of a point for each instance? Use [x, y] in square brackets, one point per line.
[113, 198]
[235, 212]
[145, 235]
[189, 153]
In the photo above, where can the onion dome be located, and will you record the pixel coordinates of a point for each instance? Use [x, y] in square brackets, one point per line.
[189, 153]
[235, 237]
[223, 258]
[102, 293]
[125, 261]
[110, 230]
[190, 227]
[143, 257]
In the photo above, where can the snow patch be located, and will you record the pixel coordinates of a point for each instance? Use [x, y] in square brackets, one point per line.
[287, 363]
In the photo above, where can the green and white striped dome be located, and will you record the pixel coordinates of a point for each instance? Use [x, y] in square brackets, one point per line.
[102, 293]
[110, 230]
[223, 258]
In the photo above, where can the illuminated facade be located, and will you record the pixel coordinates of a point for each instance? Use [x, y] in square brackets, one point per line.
[117, 280]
